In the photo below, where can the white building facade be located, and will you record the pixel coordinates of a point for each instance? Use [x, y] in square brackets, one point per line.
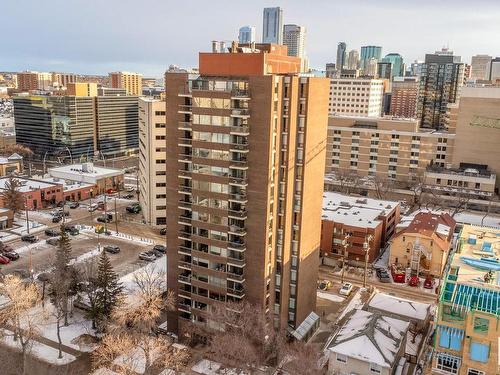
[356, 97]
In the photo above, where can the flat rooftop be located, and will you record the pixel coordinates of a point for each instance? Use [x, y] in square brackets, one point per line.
[353, 211]
[478, 252]
[68, 185]
[84, 170]
[400, 306]
[27, 184]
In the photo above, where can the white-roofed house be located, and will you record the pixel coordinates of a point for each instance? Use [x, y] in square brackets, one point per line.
[368, 343]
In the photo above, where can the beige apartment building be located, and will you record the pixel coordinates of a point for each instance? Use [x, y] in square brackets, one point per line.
[356, 97]
[385, 147]
[27, 81]
[404, 97]
[131, 82]
[60, 80]
[245, 149]
[477, 127]
[152, 159]
[81, 89]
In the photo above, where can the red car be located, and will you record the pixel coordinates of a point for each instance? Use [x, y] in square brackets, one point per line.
[4, 260]
[429, 283]
[413, 281]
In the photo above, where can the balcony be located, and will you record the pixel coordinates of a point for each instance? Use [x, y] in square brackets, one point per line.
[184, 250]
[184, 174]
[238, 293]
[185, 142]
[236, 246]
[235, 276]
[240, 112]
[184, 205]
[185, 109]
[185, 307]
[238, 181]
[240, 94]
[240, 130]
[184, 235]
[184, 219]
[238, 197]
[236, 230]
[239, 214]
[238, 147]
[184, 265]
[184, 279]
[184, 190]
[237, 259]
[183, 125]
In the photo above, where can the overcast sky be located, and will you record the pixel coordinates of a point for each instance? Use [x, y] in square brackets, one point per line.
[99, 36]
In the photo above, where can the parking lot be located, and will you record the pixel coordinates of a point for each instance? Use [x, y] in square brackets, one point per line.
[132, 238]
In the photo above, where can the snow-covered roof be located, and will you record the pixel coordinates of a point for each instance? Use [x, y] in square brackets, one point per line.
[27, 184]
[400, 306]
[68, 185]
[371, 338]
[85, 172]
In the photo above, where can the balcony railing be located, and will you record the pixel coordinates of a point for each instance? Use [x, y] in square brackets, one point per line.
[237, 213]
[233, 229]
[237, 246]
[240, 112]
[242, 130]
[184, 264]
[185, 141]
[236, 292]
[185, 250]
[185, 307]
[184, 279]
[239, 197]
[235, 276]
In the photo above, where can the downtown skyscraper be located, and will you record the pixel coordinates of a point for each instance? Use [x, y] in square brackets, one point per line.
[246, 34]
[368, 52]
[341, 61]
[246, 142]
[272, 25]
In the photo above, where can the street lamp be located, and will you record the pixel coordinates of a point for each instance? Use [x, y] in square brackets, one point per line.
[366, 247]
[345, 244]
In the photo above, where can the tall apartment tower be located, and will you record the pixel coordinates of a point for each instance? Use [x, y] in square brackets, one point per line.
[353, 60]
[246, 145]
[246, 34]
[62, 79]
[367, 52]
[341, 56]
[404, 97]
[294, 37]
[272, 27]
[30, 80]
[480, 67]
[440, 82]
[131, 82]
[152, 158]
[494, 75]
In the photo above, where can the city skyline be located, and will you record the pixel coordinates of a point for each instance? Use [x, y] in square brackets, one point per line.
[134, 48]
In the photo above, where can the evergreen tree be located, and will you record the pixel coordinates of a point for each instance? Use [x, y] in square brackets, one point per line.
[11, 196]
[109, 290]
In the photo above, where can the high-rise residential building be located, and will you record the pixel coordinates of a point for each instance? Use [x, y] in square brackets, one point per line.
[440, 83]
[29, 80]
[467, 72]
[480, 67]
[416, 68]
[356, 97]
[384, 147]
[331, 70]
[294, 37]
[246, 34]
[367, 52]
[152, 159]
[494, 75]
[466, 338]
[341, 55]
[81, 89]
[272, 27]
[396, 60]
[60, 80]
[81, 125]
[132, 82]
[353, 60]
[404, 97]
[245, 145]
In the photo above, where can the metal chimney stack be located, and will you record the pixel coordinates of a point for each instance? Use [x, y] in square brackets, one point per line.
[214, 46]
[222, 47]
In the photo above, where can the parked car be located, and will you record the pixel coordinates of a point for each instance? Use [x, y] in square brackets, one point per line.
[51, 232]
[62, 212]
[4, 260]
[12, 255]
[147, 256]
[56, 219]
[4, 248]
[74, 231]
[414, 281]
[163, 231]
[61, 204]
[429, 282]
[130, 189]
[346, 289]
[161, 248]
[93, 207]
[156, 253]
[103, 219]
[29, 238]
[324, 285]
[110, 191]
[74, 205]
[54, 241]
[383, 275]
[129, 196]
[113, 249]
[134, 208]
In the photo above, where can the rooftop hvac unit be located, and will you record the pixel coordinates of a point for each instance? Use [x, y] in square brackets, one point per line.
[88, 167]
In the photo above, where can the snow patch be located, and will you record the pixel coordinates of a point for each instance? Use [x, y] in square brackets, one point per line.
[330, 296]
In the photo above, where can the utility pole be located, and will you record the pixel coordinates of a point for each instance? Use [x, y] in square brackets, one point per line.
[345, 244]
[105, 209]
[366, 246]
[116, 218]
[27, 218]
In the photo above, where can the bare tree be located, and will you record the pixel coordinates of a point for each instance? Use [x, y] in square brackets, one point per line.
[24, 151]
[348, 180]
[12, 197]
[416, 184]
[20, 315]
[131, 342]
[301, 359]
[382, 187]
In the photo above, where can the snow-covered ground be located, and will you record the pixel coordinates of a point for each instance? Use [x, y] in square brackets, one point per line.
[120, 236]
[159, 266]
[354, 304]
[330, 296]
[39, 350]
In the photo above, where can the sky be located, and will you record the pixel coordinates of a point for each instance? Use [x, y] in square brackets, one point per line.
[146, 36]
